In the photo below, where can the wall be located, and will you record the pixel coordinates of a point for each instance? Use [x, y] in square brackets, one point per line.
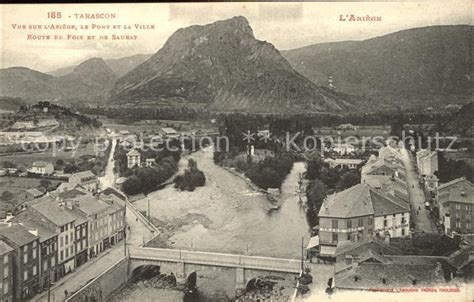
[394, 226]
[102, 287]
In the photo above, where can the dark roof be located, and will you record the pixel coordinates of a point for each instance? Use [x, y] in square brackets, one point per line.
[17, 234]
[352, 202]
[458, 190]
[35, 192]
[34, 221]
[4, 248]
[361, 200]
[55, 213]
[371, 275]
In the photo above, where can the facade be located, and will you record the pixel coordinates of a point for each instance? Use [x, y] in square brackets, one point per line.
[427, 162]
[81, 233]
[48, 241]
[347, 163]
[97, 214]
[42, 167]
[133, 159]
[117, 220]
[456, 206]
[343, 149]
[6, 272]
[25, 260]
[55, 213]
[85, 179]
[359, 213]
[150, 162]
[168, 132]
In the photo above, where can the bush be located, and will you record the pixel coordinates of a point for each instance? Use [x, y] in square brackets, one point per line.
[192, 178]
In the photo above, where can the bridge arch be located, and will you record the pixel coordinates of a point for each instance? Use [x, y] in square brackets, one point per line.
[191, 280]
[251, 284]
[145, 272]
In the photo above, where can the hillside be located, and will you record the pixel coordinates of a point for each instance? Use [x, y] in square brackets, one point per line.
[223, 67]
[429, 66]
[89, 81]
[119, 66]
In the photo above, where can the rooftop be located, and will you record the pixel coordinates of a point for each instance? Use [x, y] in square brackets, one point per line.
[33, 221]
[54, 212]
[378, 275]
[83, 174]
[41, 164]
[4, 248]
[361, 200]
[458, 190]
[16, 233]
[133, 152]
[90, 205]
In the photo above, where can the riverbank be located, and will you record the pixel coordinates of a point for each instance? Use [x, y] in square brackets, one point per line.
[228, 215]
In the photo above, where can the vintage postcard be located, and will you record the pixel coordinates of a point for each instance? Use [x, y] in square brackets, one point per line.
[237, 151]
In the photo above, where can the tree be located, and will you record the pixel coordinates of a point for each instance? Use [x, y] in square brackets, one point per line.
[347, 180]
[7, 195]
[45, 183]
[314, 167]
[316, 193]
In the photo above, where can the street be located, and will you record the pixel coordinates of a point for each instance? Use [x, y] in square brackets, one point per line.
[420, 215]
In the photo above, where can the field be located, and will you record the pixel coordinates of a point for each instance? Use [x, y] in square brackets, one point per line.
[25, 160]
[17, 184]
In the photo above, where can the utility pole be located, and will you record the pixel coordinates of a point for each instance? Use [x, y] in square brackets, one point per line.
[148, 202]
[302, 254]
[125, 229]
[49, 285]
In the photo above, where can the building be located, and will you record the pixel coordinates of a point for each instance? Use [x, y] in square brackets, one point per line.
[133, 158]
[81, 233]
[150, 162]
[48, 240]
[86, 179]
[42, 168]
[456, 206]
[358, 213]
[168, 132]
[56, 215]
[25, 260]
[117, 220]
[6, 272]
[427, 162]
[343, 149]
[97, 214]
[344, 163]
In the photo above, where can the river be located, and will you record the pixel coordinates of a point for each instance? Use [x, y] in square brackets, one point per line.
[226, 215]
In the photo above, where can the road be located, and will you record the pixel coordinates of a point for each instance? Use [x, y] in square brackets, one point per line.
[420, 216]
[108, 180]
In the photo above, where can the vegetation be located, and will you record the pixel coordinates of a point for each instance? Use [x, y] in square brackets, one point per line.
[450, 169]
[271, 172]
[192, 178]
[324, 180]
[147, 180]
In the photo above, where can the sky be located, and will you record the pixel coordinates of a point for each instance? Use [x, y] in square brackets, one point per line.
[285, 25]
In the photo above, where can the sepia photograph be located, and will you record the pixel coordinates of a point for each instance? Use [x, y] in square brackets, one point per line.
[237, 151]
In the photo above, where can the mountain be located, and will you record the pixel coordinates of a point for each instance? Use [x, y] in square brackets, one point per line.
[89, 81]
[222, 67]
[429, 64]
[119, 66]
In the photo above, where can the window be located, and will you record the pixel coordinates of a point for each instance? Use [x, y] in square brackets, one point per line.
[61, 256]
[458, 224]
[45, 266]
[334, 237]
[83, 232]
[53, 261]
[34, 253]
[25, 258]
[348, 236]
[334, 224]
[458, 207]
[349, 224]
[61, 241]
[71, 225]
[361, 222]
[34, 270]
[62, 229]
[67, 239]
[5, 272]
[5, 288]
[5, 259]
[468, 225]
[34, 244]
[25, 249]
[385, 222]
[72, 250]
[67, 253]
[25, 275]
[403, 232]
[370, 221]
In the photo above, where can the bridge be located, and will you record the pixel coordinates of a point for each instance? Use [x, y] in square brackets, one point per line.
[188, 266]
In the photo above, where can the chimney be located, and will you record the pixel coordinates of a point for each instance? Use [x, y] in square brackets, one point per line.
[34, 232]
